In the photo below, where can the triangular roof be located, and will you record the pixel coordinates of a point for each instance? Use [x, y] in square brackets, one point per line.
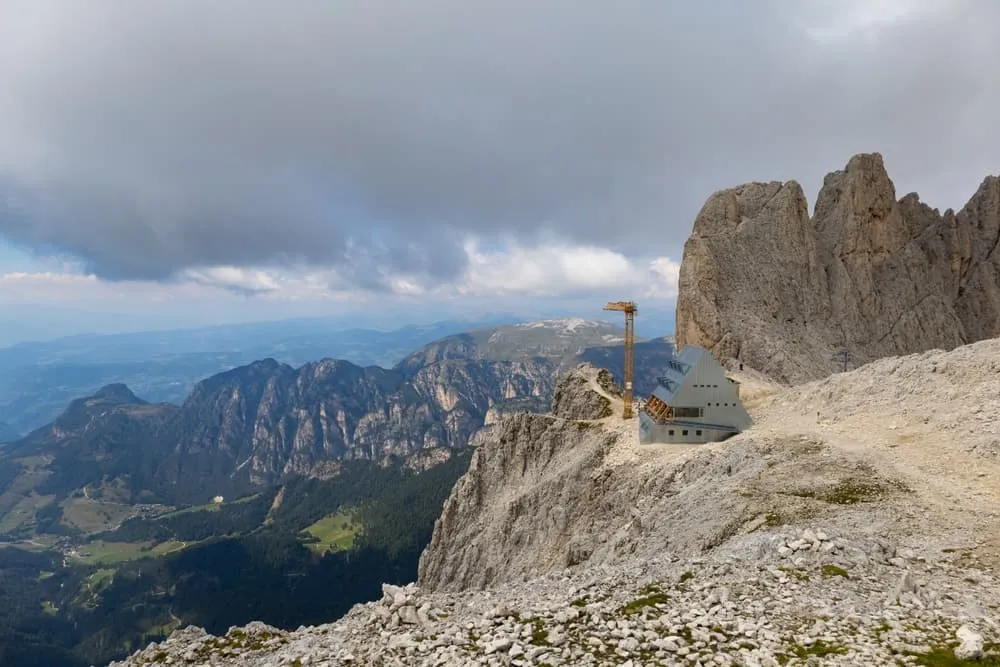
[677, 371]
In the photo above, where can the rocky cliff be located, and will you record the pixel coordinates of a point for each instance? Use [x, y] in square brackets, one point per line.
[587, 392]
[258, 423]
[764, 283]
[844, 528]
[543, 494]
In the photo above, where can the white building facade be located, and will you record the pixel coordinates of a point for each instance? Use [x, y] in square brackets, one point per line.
[694, 403]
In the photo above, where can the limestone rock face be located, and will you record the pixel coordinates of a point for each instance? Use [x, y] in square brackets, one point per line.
[763, 283]
[256, 424]
[475, 539]
[584, 393]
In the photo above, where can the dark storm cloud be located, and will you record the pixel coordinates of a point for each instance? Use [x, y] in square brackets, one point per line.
[372, 135]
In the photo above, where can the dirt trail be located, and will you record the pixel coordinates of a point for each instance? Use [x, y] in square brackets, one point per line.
[930, 421]
[912, 422]
[616, 401]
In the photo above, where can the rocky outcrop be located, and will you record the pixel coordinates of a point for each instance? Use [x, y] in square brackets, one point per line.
[584, 393]
[763, 283]
[663, 611]
[543, 494]
[515, 406]
[528, 459]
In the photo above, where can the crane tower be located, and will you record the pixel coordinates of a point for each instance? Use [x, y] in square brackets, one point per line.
[630, 308]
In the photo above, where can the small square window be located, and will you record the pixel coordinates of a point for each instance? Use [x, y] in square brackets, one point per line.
[697, 432]
[670, 432]
[684, 432]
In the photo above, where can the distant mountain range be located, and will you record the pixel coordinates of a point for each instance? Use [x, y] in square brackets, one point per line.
[38, 379]
[263, 422]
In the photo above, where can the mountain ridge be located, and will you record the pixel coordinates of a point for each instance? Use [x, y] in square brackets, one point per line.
[764, 283]
[256, 424]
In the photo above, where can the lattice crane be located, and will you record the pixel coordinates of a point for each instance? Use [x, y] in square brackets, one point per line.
[630, 308]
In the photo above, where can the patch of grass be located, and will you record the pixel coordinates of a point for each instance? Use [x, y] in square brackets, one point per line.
[335, 532]
[22, 513]
[850, 492]
[686, 576]
[583, 601]
[208, 507]
[539, 633]
[944, 656]
[100, 552]
[651, 596]
[820, 649]
[830, 570]
[90, 516]
[773, 519]
[98, 580]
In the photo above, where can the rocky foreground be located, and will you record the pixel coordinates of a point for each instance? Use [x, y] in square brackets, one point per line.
[854, 524]
[804, 598]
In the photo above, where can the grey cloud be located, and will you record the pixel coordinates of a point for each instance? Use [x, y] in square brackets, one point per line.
[371, 135]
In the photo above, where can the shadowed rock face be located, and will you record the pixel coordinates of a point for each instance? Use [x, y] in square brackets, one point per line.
[763, 283]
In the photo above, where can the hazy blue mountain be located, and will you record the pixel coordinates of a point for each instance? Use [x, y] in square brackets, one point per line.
[38, 379]
[7, 434]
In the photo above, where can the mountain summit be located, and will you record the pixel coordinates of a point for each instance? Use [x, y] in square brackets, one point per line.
[763, 283]
[117, 394]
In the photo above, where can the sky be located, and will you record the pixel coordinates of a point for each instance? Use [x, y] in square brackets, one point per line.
[192, 163]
